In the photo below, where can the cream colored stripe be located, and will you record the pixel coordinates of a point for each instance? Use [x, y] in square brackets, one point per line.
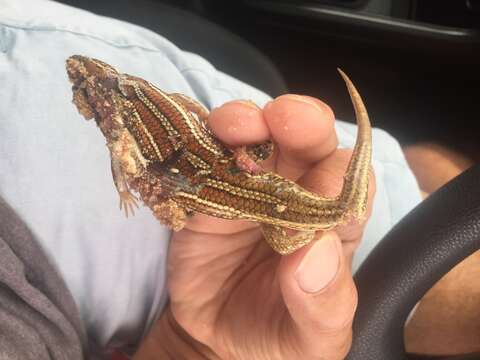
[245, 193]
[223, 210]
[197, 161]
[204, 141]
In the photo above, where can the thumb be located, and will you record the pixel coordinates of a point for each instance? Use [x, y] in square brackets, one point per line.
[321, 297]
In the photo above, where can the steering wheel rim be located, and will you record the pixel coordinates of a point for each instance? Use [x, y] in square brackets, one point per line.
[434, 237]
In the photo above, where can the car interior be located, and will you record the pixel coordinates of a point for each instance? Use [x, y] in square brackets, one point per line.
[415, 61]
[416, 64]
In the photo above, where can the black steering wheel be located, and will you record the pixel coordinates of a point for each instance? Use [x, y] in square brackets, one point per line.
[411, 258]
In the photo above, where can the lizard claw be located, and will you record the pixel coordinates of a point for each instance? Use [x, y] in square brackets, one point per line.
[127, 202]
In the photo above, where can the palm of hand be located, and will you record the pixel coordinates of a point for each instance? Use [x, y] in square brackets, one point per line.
[228, 290]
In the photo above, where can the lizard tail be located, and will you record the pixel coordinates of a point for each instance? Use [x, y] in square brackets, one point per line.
[354, 193]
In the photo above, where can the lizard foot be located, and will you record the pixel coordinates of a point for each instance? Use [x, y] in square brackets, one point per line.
[128, 201]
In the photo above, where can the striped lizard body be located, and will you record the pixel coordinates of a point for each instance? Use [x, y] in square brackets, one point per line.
[161, 148]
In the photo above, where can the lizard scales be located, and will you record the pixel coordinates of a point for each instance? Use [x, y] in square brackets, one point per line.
[161, 148]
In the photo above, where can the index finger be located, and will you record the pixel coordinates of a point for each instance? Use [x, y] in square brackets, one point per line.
[302, 127]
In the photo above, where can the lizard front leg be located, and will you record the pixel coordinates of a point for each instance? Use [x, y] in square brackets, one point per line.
[127, 199]
[122, 162]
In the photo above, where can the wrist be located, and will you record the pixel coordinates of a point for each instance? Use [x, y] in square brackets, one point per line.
[168, 340]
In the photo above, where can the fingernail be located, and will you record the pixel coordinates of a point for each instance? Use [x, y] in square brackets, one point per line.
[305, 100]
[268, 105]
[320, 265]
[249, 103]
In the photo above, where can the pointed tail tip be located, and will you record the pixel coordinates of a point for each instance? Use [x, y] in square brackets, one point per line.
[343, 75]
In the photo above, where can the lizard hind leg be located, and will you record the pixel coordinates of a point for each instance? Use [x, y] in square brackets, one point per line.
[192, 105]
[248, 157]
[283, 243]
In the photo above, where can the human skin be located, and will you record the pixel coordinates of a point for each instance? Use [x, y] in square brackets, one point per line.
[231, 295]
[446, 320]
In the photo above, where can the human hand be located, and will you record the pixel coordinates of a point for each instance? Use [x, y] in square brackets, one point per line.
[231, 295]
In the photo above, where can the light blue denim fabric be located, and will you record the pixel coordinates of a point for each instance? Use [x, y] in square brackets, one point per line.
[54, 167]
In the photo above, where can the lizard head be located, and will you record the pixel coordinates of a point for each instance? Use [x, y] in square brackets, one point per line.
[80, 68]
[95, 90]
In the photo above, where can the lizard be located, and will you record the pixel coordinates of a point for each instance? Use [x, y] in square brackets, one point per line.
[161, 148]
